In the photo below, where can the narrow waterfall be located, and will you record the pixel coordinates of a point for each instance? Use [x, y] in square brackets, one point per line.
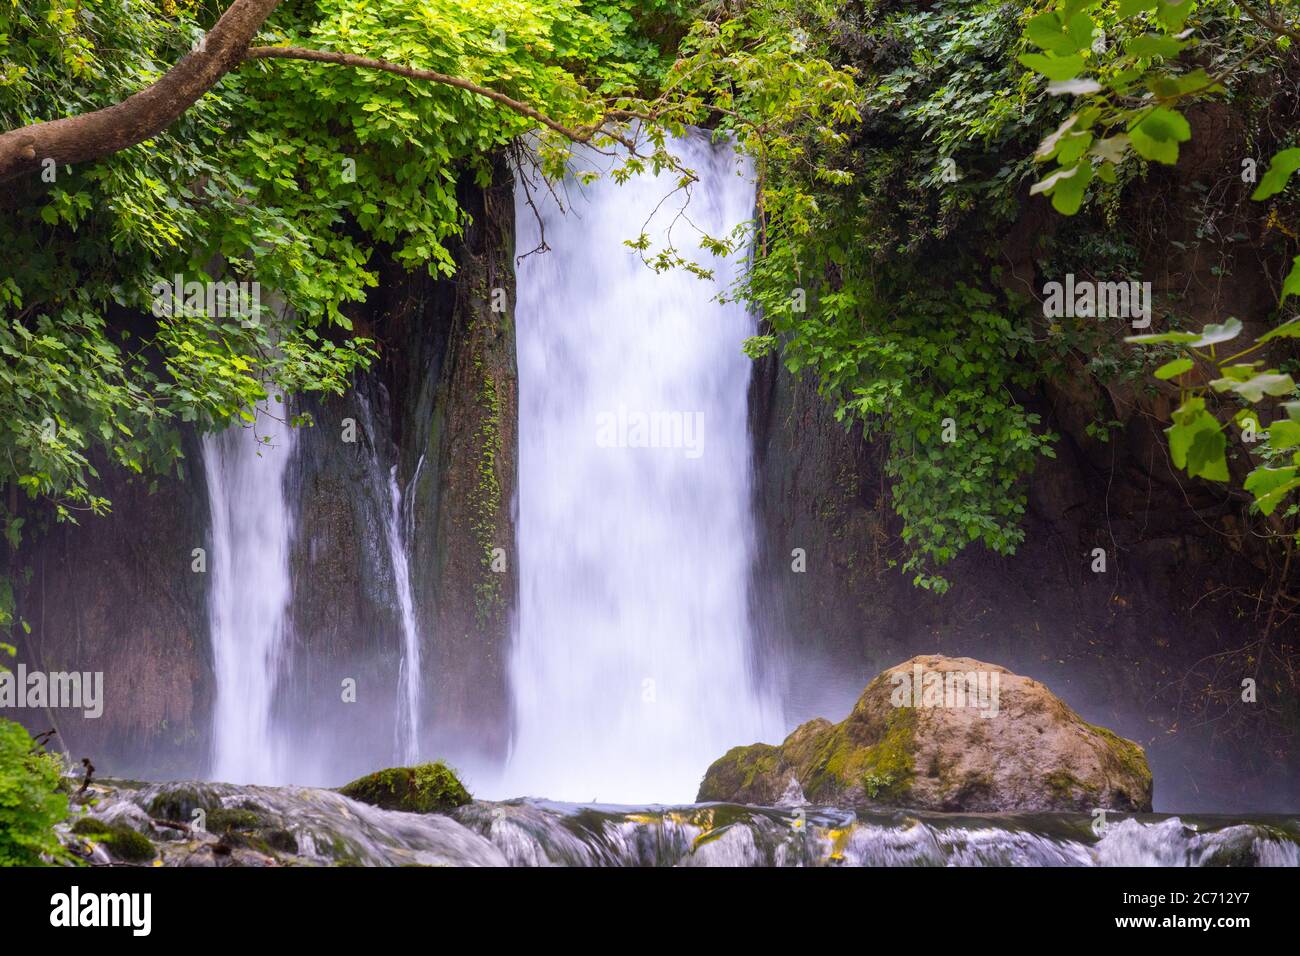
[630, 668]
[249, 594]
[408, 714]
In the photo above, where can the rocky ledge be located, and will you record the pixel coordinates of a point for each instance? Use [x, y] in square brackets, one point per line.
[946, 734]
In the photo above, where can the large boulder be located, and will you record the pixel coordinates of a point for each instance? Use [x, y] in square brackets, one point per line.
[428, 788]
[943, 733]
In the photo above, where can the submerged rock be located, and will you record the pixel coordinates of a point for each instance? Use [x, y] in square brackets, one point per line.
[950, 734]
[427, 788]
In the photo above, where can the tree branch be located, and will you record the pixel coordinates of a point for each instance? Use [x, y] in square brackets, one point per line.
[91, 136]
[579, 134]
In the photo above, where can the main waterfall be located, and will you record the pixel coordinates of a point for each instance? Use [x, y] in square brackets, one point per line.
[630, 669]
[249, 592]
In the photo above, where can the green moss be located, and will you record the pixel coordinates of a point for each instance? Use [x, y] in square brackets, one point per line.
[226, 820]
[1129, 759]
[282, 841]
[487, 496]
[179, 803]
[731, 776]
[1064, 785]
[119, 840]
[428, 788]
[884, 769]
[90, 826]
[127, 845]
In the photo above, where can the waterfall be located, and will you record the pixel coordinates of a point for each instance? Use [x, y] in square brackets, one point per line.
[408, 717]
[249, 591]
[630, 666]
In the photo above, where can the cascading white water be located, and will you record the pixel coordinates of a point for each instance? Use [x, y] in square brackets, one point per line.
[408, 716]
[249, 592]
[630, 669]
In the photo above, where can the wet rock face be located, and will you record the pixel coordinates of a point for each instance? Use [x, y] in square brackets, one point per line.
[1127, 648]
[949, 734]
[458, 410]
[118, 595]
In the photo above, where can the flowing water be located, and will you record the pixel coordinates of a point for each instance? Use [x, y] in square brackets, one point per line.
[252, 520]
[305, 826]
[631, 668]
[408, 717]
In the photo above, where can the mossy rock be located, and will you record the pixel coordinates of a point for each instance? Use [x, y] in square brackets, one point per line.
[227, 820]
[179, 803]
[427, 788]
[280, 840]
[974, 737]
[90, 826]
[120, 841]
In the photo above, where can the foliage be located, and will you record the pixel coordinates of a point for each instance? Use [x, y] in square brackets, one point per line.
[31, 802]
[1130, 110]
[287, 174]
[864, 274]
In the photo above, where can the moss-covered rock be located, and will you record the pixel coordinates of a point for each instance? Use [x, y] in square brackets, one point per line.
[427, 788]
[231, 819]
[120, 841]
[90, 826]
[939, 733]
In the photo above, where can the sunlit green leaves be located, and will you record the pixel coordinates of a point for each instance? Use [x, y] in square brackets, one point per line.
[1060, 36]
[1212, 334]
[1056, 68]
[1156, 134]
[1251, 385]
[1278, 174]
[1197, 443]
[1270, 486]
[1154, 44]
[1291, 284]
[1174, 368]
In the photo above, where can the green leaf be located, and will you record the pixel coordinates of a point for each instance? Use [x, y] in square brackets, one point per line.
[1256, 387]
[1066, 187]
[1163, 338]
[1287, 330]
[1279, 172]
[1154, 44]
[1214, 334]
[1176, 367]
[1056, 68]
[1128, 8]
[1172, 14]
[1046, 31]
[1156, 136]
[1270, 486]
[1196, 442]
[1205, 457]
[1291, 284]
[1283, 433]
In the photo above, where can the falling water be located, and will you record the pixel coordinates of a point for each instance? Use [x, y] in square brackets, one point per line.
[408, 719]
[630, 668]
[249, 592]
